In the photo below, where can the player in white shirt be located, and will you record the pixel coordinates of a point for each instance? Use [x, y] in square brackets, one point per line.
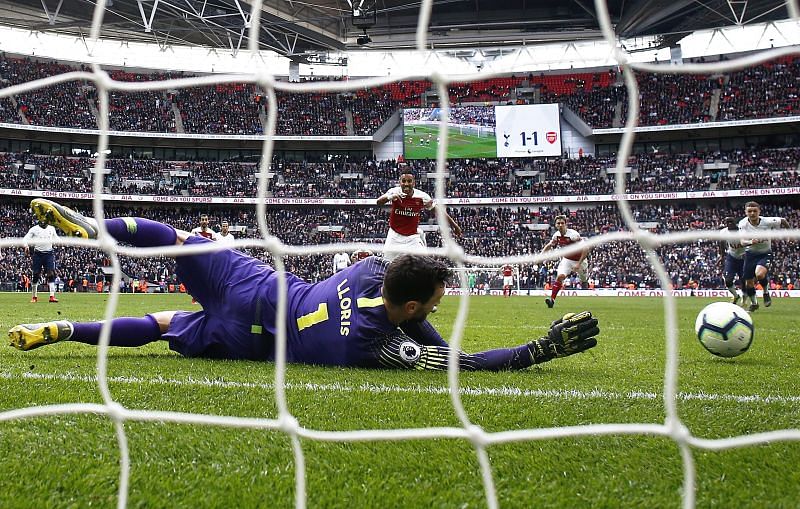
[731, 257]
[758, 252]
[43, 258]
[340, 261]
[407, 204]
[204, 230]
[575, 262]
[225, 236]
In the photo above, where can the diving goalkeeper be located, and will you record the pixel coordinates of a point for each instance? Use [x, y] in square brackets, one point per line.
[372, 314]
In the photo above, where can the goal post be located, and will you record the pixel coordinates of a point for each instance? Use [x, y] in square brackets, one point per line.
[486, 279]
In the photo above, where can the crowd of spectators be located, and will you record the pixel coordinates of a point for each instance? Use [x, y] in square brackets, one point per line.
[767, 90]
[231, 108]
[64, 104]
[466, 178]
[488, 231]
[674, 98]
[763, 91]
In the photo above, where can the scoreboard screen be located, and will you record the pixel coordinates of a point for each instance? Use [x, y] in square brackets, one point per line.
[484, 131]
[531, 130]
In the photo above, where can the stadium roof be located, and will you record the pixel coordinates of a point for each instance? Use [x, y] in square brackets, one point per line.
[304, 30]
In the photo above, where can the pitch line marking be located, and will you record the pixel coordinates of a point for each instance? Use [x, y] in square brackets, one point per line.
[504, 391]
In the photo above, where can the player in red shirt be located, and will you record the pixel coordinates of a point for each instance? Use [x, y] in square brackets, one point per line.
[508, 280]
[204, 230]
[574, 262]
[407, 204]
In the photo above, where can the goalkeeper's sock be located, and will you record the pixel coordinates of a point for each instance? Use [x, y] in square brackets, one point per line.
[556, 288]
[141, 232]
[124, 331]
[518, 357]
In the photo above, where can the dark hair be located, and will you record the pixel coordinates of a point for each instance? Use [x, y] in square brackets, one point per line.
[413, 278]
[752, 204]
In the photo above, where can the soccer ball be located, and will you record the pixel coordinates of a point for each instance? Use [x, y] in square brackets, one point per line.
[724, 329]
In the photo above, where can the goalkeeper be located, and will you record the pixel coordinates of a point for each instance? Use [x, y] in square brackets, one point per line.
[372, 314]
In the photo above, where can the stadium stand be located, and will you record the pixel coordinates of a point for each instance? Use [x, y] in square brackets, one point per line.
[661, 172]
[764, 91]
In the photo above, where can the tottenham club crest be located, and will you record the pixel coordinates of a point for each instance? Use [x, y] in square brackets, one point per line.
[409, 352]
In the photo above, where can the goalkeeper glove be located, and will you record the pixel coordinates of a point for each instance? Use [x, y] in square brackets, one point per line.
[573, 333]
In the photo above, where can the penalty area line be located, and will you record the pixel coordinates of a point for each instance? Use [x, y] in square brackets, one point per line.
[503, 391]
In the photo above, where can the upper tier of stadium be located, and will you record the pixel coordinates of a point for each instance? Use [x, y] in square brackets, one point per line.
[598, 98]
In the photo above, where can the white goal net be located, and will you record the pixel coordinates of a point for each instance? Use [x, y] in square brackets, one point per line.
[672, 428]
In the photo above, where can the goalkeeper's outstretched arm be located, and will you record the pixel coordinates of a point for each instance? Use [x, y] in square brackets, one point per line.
[574, 333]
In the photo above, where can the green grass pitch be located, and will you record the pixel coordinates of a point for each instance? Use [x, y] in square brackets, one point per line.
[73, 460]
[459, 145]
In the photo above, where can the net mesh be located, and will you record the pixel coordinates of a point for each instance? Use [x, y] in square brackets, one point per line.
[673, 428]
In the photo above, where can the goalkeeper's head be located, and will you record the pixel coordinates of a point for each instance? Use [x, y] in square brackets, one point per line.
[413, 286]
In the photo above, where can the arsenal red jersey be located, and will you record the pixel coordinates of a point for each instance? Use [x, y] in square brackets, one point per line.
[208, 234]
[508, 270]
[569, 238]
[404, 216]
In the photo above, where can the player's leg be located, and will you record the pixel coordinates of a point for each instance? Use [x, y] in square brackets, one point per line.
[50, 274]
[565, 266]
[733, 267]
[392, 246]
[749, 272]
[37, 275]
[137, 231]
[397, 244]
[730, 284]
[763, 280]
[583, 272]
[125, 332]
[38, 268]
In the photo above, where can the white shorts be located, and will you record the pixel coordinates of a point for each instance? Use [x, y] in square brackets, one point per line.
[567, 267]
[397, 244]
[508, 280]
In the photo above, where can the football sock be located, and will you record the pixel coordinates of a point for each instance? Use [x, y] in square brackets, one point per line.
[35, 289]
[124, 331]
[750, 291]
[556, 288]
[141, 232]
[764, 284]
[732, 289]
[52, 287]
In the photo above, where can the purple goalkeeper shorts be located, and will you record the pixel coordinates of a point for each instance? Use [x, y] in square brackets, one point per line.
[235, 291]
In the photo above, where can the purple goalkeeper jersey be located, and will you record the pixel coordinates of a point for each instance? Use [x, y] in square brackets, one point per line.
[339, 321]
